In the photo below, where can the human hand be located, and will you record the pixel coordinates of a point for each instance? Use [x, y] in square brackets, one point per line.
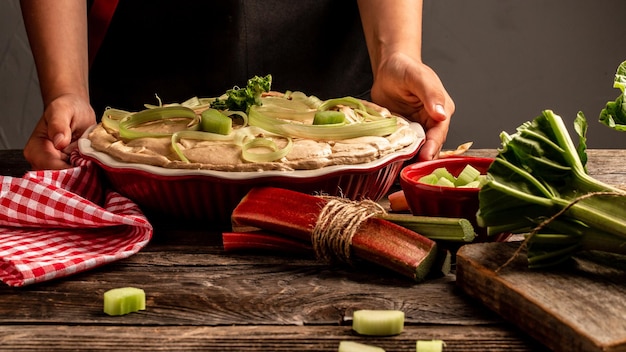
[63, 121]
[414, 90]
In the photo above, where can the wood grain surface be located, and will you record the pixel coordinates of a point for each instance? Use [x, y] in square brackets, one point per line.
[200, 298]
[577, 307]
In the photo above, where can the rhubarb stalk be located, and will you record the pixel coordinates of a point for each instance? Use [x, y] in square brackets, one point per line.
[255, 240]
[376, 240]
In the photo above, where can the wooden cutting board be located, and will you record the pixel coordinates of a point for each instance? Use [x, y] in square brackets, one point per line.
[581, 307]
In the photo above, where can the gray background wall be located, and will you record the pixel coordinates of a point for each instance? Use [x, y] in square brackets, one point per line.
[20, 103]
[503, 61]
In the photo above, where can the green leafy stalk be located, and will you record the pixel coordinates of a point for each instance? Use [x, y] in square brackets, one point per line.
[538, 184]
[614, 114]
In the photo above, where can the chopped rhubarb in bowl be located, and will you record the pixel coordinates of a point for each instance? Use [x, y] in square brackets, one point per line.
[438, 199]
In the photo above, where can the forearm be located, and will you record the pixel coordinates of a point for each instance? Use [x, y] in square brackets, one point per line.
[57, 32]
[391, 27]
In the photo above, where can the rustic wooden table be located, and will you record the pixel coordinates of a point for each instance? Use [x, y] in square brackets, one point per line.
[201, 298]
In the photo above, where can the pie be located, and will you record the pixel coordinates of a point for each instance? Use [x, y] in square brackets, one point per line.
[161, 143]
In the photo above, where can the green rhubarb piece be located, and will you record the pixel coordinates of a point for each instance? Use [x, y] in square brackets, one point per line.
[442, 172]
[124, 300]
[429, 346]
[473, 184]
[467, 175]
[351, 346]
[429, 179]
[215, 122]
[329, 117]
[434, 227]
[482, 179]
[378, 322]
[444, 182]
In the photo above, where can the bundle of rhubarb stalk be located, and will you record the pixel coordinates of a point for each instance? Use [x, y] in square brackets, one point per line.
[339, 230]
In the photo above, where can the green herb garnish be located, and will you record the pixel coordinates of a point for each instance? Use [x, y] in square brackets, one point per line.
[240, 99]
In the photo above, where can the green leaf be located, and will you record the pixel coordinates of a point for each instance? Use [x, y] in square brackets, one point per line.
[580, 126]
[620, 77]
[614, 113]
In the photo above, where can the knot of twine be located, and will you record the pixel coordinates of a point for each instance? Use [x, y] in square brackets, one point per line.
[337, 223]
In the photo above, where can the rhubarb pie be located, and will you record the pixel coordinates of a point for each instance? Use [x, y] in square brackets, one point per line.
[278, 134]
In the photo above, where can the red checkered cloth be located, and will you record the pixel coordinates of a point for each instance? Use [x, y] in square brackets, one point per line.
[57, 223]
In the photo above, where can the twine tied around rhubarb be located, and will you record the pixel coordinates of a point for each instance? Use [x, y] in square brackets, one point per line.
[337, 223]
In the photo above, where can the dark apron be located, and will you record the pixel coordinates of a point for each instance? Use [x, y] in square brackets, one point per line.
[185, 48]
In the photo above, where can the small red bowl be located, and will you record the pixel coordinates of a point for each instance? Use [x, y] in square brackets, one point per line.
[431, 200]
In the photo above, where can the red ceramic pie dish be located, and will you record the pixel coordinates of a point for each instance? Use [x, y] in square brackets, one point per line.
[210, 196]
